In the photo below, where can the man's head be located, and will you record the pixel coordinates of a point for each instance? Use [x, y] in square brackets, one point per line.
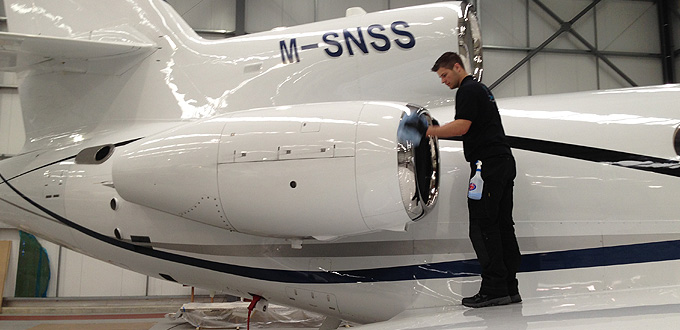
[450, 69]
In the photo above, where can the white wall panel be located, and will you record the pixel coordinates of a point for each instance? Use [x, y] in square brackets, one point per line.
[83, 276]
[503, 23]
[12, 134]
[71, 268]
[496, 64]
[408, 3]
[264, 15]
[207, 14]
[131, 283]
[644, 71]
[329, 9]
[561, 73]
[628, 26]
[543, 26]
[161, 287]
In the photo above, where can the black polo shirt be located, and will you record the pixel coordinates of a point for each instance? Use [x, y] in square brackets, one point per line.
[486, 137]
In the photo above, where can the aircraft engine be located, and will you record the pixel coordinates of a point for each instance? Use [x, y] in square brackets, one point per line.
[313, 170]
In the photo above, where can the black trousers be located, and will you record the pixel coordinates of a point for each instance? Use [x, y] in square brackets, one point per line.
[492, 229]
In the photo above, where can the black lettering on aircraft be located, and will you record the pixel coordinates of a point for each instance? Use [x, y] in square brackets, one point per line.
[332, 43]
[287, 53]
[386, 46]
[360, 43]
[411, 39]
[354, 41]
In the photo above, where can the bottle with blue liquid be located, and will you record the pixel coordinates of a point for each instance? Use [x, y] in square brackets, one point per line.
[476, 183]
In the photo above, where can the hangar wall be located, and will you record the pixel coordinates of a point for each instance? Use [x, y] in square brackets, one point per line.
[626, 32]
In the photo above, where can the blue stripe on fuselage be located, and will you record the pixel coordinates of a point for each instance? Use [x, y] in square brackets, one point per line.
[558, 260]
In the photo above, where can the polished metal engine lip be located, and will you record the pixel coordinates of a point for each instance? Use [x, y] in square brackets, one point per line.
[676, 140]
[417, 202]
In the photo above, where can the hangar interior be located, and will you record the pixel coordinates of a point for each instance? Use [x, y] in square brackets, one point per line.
[531, 47]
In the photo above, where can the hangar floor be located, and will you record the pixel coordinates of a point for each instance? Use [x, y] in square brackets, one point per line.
[117, 324]
[121, 322]
[96, 314]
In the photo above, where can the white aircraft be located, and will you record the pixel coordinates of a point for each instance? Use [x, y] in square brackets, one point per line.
[268, 165]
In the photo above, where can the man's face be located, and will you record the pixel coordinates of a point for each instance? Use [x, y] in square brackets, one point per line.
[449, 77]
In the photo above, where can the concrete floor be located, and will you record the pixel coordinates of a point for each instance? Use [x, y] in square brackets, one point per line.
[120, 322]
[82, 322]
[96, 314]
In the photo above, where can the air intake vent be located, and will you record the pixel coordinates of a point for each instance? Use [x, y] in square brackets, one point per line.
[167, 277]
[95, 155]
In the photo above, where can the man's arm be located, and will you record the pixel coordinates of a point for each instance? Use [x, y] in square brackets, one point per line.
[457, 127]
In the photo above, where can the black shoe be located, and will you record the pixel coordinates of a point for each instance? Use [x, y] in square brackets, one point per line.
[515, 298]
[484, 300]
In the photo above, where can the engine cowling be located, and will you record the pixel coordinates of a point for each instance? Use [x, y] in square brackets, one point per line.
[312, 170]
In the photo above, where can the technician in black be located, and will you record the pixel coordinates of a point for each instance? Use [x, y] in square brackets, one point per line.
[491, 226]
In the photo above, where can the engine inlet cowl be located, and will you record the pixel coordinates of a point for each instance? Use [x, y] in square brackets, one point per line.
[419, 171]
[314, 170]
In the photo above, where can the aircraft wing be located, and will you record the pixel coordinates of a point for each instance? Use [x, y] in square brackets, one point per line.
[655, 308]
[22, 51]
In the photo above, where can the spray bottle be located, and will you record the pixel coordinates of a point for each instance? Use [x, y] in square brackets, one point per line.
[476, 183]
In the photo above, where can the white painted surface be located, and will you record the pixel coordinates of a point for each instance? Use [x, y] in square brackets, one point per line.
[634, 33]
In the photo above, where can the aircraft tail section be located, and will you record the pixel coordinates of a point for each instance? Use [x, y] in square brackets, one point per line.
[87, 66]
[78, 36]
[81, 19]
[23, 52]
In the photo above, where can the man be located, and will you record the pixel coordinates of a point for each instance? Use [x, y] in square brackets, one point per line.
[491, 226]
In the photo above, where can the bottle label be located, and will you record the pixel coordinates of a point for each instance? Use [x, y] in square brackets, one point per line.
[472, 186]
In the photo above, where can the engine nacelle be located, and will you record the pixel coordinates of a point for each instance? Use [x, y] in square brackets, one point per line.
[314, 170]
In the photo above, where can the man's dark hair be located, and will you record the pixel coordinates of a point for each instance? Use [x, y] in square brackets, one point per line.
[447, 60]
